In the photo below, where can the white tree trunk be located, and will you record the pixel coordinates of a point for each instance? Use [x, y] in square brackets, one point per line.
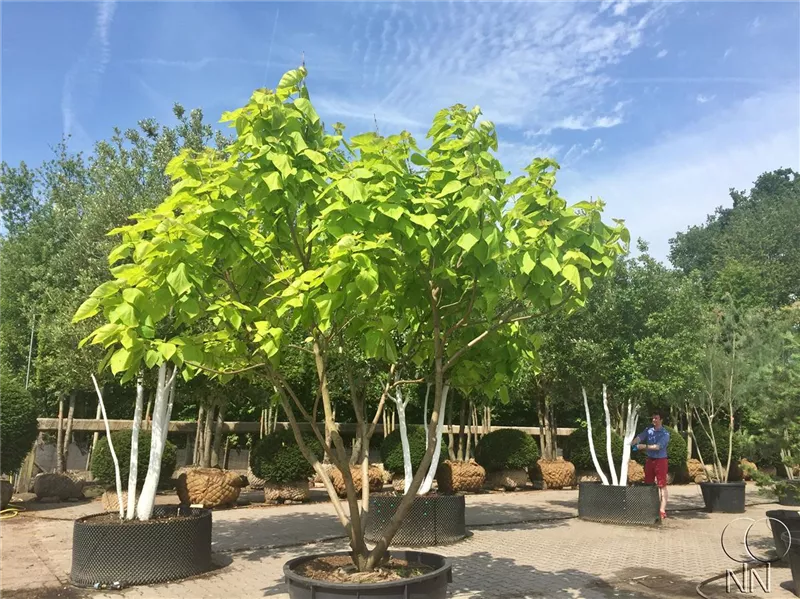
[425, 414]
[596, 463]
[609, 453]
[428, 481]
[147, 499]
[111, 450]
[134, 463]
[630, 433]
[408, 471]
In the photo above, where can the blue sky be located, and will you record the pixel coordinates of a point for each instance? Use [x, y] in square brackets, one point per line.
[658, 108]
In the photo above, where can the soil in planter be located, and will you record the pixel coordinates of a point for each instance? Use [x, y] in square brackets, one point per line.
[112, 518]
[340, 568]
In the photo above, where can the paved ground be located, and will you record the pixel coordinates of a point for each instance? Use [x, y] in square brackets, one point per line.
[523, 544]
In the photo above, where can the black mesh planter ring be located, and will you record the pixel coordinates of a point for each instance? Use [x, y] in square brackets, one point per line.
[432, 520]
[611, 504]
[108, 552]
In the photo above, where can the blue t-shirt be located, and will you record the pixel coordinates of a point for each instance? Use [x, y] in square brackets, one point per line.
[651, 436]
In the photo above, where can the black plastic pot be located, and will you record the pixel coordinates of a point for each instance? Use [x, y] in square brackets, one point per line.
[793, 542]
[611, 504]
[727, 498]
[792, 494]
[791, 520]
[432, 520]
[432, 585]
[141, 552]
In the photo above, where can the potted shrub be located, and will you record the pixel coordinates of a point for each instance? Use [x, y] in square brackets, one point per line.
[295, 239]
[18, 430]
[723, 377]
[507, 454]
[277, 460]
[613, 500]
[103, 470]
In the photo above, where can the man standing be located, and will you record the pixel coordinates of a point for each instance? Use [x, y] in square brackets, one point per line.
[655, 439]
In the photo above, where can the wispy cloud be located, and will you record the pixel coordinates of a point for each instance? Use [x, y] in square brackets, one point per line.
[578, 151]
[702, 98]
[82, 81]
[754, 25]
[662, 53]
[584, 122]
[727, 53]
[527, 65]
[676, 182]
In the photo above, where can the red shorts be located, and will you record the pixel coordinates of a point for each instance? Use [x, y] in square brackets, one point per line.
[655, 469]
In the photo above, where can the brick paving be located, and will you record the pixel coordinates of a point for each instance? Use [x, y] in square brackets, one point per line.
[522, 544]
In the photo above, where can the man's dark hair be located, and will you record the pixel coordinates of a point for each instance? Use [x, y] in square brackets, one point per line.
[658, 413]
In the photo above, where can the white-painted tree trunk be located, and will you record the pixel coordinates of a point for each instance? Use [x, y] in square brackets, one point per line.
[147, 499]
[609, 453]
[428, 481]
[111, 450]
[596, 463]
[134, 462]
[630, 432]
[425, 414]
[408, 471]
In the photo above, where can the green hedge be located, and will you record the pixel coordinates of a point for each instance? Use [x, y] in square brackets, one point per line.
[276, 458]
[103, 465]
[721, 437]
[506, 449]
[18, 425]
[576, 448]
[392, 449]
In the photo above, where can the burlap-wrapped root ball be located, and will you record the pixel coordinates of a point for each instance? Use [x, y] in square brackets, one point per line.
[253, 481]
[635, 472]
[6, 493]
[209, 487]
[696, 471]
[508, 480]
[54, 485]
[281, 492]
[109, 500]
[458, 476]
[374, 475]
[555, 474]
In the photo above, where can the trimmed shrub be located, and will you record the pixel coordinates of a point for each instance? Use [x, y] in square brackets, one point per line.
[676, 454]
[507, 449]
[576, 448]
[103, 465]
[276, 458]
[18, 425]
[392, 449]
[721, 437]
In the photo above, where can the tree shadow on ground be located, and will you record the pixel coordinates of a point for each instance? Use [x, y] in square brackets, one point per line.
[502, 514]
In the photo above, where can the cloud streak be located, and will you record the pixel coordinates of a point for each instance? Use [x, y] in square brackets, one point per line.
[82, 81]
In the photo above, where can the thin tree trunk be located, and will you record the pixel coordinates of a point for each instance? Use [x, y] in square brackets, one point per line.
[134, 460]
[612, 467]
[216, 451]
[468, 447]
[149, 406]
[162, 408]
[226, 453]
[540, 408]
[690, 435]
[428, 480]
[113, 453]
[592, 452]
[205, 457]
[68, 432]
[95, 438]
[60, 435]
[198, 437]
[462, 417]
[450, 440]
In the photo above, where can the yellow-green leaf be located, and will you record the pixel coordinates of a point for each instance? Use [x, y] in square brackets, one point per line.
[451, 188]
[119, 361]
[548, 260]
[468, 239]
[571, 274]
[273, 181]
[87, 309]
[125, 314]
[352, 189]
[178, 280]
[424, 220]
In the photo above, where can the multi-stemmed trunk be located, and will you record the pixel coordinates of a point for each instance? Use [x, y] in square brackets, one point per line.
[134, 464]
